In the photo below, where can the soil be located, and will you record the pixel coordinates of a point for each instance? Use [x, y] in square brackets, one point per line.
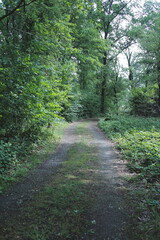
[110, 212]
[23, 191]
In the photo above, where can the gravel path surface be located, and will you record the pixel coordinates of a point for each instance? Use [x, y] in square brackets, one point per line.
[110, 212]
[22, 192]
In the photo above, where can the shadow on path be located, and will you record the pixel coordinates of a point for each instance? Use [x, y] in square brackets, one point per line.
[23, 191]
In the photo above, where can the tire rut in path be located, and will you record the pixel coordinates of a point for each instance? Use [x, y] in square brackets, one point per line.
[23, 191]
[110, 213]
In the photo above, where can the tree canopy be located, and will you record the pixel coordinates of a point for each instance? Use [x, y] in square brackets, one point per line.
[60, 59]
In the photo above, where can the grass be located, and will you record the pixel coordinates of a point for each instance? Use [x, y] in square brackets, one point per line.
[138, 139]
[39, 152]
[60, 210]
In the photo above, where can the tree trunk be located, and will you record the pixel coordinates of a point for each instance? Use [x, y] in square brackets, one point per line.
[103, 86]
[158, 70]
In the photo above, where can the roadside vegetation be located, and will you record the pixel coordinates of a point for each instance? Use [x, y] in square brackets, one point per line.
[18, 158]
[138, 139]
[61, 60]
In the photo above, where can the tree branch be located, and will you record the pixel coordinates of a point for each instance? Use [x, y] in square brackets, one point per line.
[27, 4]
[19, 5]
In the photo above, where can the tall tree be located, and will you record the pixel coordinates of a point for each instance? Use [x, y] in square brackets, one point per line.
[90, 48]
[146, 96]
[36, 68]
[110, 14]
[150, 39]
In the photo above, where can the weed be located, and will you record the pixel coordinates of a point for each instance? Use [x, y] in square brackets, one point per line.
[22, 164]
[138, 139]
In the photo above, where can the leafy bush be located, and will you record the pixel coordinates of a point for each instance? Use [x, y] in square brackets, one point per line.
[138, 139]
[8, 156]
[72, 112]
[144, 103]
[118, 125]
[143, 151]
[13, 150]
[19, 155]
[90, 104]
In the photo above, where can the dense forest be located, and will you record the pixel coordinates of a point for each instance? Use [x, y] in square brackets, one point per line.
[67, 60]
[64, 60]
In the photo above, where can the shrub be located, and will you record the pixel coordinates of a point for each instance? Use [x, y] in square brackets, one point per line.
[8, 155]
[144, 104]
[138, 138]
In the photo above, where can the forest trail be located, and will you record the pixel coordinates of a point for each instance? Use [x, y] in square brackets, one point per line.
[110, 211]
[24, 191]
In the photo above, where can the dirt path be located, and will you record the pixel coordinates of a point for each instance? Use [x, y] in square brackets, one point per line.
[110, 211]
[24, 191]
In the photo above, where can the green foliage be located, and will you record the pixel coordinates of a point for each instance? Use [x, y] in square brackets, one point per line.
[45, 47]
[7, 156]
[57, 64]
[38, 75]
[142, 149]
[149, 59]
[138, 139]
[18, 157]
[90, 102]
[144, 103]
[73, 111]
[117, 126]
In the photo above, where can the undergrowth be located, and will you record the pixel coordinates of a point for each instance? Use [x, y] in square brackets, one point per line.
[17, 159]
[138, 139]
